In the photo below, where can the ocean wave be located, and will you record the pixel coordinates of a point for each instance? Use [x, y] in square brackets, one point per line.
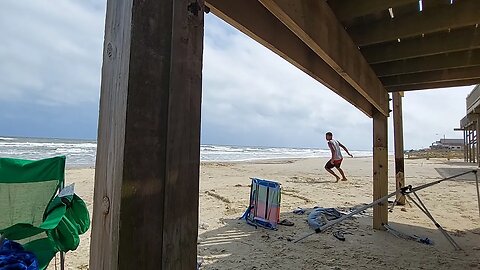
[80, 153]
[72, 150]
[49, 144]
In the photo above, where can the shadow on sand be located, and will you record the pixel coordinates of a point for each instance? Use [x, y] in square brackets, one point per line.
[236, 245]
[451, 171]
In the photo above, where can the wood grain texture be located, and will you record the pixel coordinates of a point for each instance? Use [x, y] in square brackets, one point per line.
[429, 63]
[463, 39]
[437, 76]
[467, 131]
[111, 136]
[259, 24]
[350, 9]
[316, 25]
[477, 132]
[183, 139]
[398, 141]
[150, 127]
[474, 143]
[441, 18]
[433, 85]
[380, 169]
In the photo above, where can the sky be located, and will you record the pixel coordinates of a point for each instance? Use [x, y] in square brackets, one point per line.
[50, 73]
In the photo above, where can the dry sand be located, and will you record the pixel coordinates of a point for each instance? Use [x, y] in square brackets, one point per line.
[227, 243]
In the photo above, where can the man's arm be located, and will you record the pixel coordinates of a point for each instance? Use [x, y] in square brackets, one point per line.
[345, 148]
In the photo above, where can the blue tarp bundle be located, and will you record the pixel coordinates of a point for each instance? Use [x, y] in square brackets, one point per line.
[14, 257]
[315, 217]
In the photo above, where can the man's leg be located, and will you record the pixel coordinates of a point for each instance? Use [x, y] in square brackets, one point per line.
[343, 174]
[329, 167]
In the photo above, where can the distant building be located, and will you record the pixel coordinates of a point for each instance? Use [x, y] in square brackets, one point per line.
[453, 144]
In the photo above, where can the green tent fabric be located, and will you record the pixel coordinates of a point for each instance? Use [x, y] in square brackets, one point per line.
[22, 171]
[33, 213]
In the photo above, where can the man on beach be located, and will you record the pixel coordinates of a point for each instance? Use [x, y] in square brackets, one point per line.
[337, 157]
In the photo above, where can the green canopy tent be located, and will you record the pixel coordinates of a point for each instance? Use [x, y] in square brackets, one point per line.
[33, 210]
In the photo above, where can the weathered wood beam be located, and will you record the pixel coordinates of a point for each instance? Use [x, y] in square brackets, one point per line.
[316, 25]
[145, 210]
[470, 157]
[398, 137]
[468, 144]
[438, 43]
[465, 121]
[349, 9]
[455, 74]
[477, 130]
[474, 142]
[435, 85]
[111, 136]
[380, 169]
[429, 63]
[444, 17]
[259, 24]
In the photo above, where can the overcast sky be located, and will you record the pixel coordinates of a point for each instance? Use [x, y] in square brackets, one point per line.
[50, 63]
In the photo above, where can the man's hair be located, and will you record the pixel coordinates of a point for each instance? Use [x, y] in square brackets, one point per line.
[329, 134]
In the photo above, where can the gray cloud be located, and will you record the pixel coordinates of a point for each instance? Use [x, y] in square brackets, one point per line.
[429, 115]
[52, 51]
[248, 89]
[51, 55]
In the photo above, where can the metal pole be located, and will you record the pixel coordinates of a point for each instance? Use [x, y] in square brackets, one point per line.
[62, 254]
[381, 200]
[349, 215]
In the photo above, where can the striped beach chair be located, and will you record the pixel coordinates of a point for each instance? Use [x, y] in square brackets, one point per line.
[264, 208]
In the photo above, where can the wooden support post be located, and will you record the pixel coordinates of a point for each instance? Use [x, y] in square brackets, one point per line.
[470, 142]
[464, 145]
[145, 211]
[474, 142]
[398, 137]
[380, 169]
[467, 144]
[477, 131]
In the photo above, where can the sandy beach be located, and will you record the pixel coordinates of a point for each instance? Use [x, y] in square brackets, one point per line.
[225, 242]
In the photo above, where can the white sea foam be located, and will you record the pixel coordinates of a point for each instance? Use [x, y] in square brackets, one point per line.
[78, 152]
[240, 153]
[82, 153]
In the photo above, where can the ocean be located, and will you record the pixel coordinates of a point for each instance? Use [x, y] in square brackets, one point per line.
[81, 153]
